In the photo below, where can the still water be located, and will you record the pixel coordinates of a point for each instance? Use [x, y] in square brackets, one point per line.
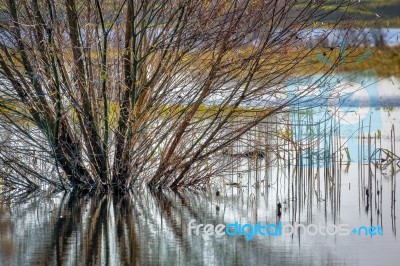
[151, 228]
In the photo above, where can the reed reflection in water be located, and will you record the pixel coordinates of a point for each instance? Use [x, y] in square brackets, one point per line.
[149, 228]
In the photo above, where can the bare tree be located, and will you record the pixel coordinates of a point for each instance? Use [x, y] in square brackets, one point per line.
[103, 94]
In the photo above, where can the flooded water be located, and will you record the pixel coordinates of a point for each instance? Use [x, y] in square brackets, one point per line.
[152, 228]
[390, 36]
[353, 188]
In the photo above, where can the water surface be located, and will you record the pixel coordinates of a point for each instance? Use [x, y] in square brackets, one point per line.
[151, 228]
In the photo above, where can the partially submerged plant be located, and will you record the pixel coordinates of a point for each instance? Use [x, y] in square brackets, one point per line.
[113, 95]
